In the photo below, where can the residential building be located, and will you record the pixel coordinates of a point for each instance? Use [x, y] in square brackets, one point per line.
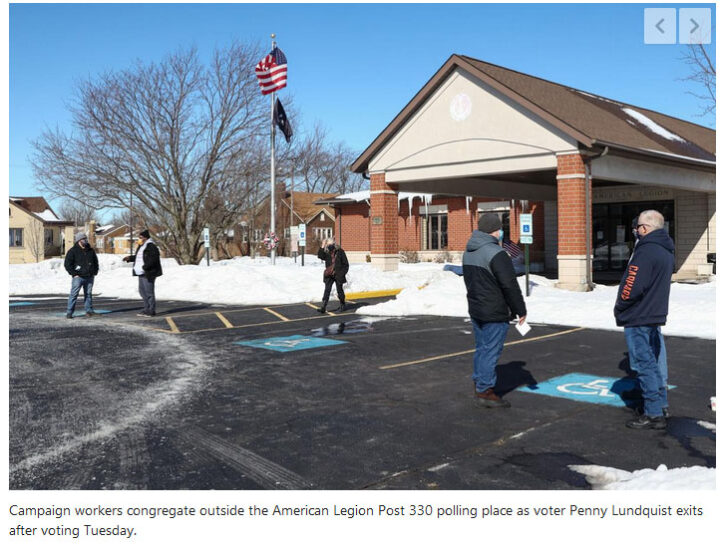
[36, 232]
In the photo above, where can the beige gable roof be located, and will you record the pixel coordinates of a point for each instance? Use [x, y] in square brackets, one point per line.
[590, 119]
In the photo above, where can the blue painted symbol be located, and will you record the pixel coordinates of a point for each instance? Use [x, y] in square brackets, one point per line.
[587, 388]
[82, 313]
[20, 303]
[290, 343]
[526, 228]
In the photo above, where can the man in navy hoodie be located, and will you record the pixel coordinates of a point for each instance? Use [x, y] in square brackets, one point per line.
[641, 308]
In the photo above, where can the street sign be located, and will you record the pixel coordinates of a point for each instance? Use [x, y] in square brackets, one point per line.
[526, 229]
[206, 237]
[294, 236]
[301, 235]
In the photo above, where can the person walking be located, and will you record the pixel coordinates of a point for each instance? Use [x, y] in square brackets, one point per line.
[147, 268]
[336, 269]
[641, 308]
[81, 263]
[494, 298]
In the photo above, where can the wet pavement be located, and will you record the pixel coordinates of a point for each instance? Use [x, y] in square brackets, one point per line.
[281, 397]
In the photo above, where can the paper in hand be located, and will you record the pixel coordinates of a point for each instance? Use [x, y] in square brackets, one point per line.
[523, 328]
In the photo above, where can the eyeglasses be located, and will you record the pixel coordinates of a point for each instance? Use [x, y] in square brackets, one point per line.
[646, 225]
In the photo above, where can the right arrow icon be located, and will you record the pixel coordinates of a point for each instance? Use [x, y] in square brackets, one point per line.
[695, 25]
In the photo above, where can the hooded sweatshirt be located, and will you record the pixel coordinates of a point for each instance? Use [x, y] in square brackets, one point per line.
[644, 291]
[493, 292]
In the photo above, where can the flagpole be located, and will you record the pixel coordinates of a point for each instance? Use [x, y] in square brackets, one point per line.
[272, 165]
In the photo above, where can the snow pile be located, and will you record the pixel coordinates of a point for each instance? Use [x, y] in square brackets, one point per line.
[692, 307]
[426, 290]
[605, 477]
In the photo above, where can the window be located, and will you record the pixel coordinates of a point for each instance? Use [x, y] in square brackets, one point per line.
[434, 232]
[287, 232]
[322, 216]
[320, 233]
[259, 235]
[16, 237]
[48, 237]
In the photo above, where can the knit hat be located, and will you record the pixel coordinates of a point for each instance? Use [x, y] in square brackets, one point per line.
[489, 222]
[145, 234]
[80, 236]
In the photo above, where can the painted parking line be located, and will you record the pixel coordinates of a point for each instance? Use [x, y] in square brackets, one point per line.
[225, 321]
[173, 327]
[278, 315]
[288, 344]
[469, 351]
[582, 387]
[21, 303]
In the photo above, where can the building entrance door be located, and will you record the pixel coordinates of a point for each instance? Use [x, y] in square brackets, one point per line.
[613, 240]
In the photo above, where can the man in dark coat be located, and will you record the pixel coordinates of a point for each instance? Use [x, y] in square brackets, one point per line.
[146, 268]
[336, 268]
[494, 297]
[81, 263]
[641, 309]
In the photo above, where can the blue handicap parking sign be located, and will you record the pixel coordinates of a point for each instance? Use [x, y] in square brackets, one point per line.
[586, 388]
[290, 343]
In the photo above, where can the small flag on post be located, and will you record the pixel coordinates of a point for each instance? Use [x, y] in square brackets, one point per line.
[271, 72]
[281, 120]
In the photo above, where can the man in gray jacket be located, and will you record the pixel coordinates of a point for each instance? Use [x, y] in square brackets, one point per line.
[494, 298]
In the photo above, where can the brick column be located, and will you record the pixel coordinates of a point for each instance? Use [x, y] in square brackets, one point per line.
[383, 224]
[572, 234]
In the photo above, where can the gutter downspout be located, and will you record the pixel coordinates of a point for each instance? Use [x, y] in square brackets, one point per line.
[588, 214]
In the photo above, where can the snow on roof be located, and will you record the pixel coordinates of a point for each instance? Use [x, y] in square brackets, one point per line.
[48, 216]
[650, 124]
[364, 195]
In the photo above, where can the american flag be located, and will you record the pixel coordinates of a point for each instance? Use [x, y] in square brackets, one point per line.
[512, 249]
[271, 72]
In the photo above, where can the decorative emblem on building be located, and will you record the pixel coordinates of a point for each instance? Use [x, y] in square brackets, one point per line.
[460, 107]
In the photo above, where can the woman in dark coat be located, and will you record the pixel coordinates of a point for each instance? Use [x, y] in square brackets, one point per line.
[336, 268]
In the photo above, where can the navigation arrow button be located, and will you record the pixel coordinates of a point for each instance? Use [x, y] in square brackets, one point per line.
[657, 25]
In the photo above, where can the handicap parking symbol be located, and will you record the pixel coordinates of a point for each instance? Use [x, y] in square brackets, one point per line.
[290, 343]
[587, 388]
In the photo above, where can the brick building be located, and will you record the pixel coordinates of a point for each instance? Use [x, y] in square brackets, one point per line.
[583, 164]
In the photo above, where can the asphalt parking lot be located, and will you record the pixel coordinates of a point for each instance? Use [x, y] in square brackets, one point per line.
[281, 397]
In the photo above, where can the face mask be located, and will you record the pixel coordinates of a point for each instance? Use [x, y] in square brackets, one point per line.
[500, 235]
[331, 247]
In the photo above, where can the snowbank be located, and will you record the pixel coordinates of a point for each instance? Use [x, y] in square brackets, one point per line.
[605, 477]
[427, 290]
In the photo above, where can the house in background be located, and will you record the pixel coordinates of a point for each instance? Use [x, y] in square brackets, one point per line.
[36, 232]
[292, 209]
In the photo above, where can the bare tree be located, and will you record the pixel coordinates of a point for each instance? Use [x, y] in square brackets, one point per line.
[76, 211]
[320, 166]
[175, 135]
[702, 72]
[35, 240]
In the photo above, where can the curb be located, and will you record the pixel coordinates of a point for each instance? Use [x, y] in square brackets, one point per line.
[373, 294]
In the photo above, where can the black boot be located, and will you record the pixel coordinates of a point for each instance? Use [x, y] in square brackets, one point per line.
[340, 309]
[322, 309]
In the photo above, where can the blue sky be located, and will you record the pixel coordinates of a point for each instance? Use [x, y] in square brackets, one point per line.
[351, 67]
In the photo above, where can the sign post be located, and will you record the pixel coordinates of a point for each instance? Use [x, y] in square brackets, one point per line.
[301, 242]
[206, 239]
[526, 238]
[294, 231]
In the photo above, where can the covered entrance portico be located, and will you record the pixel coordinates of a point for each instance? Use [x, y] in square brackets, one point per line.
[478, 130]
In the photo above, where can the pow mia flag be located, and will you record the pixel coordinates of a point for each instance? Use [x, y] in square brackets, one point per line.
[281, 120]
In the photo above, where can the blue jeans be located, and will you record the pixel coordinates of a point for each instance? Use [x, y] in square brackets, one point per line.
[86, 283]
[644, 348]
[489, 341]
[662, 366]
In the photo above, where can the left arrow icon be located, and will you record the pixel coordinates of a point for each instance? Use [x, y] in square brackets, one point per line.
[657, 25]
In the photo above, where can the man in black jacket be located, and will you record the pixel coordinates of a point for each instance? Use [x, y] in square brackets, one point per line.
[81, 263]
[641, 308]
[494, 298]
[336, 268]
[146, 268]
